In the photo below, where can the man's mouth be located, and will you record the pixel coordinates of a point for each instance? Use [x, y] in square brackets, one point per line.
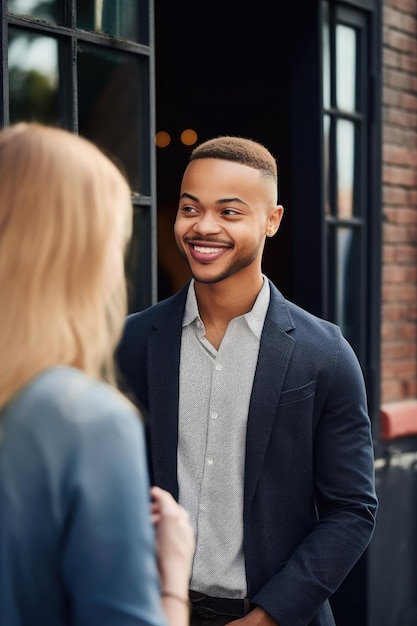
[207, 250]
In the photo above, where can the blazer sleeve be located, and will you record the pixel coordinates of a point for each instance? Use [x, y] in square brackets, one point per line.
[344, 497]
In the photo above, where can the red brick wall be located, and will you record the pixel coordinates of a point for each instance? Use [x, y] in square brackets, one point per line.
[399, 266]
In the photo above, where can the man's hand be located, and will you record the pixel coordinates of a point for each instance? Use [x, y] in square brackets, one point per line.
[256, 617]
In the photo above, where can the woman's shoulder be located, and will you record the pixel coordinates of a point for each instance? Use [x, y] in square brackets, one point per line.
[69, 395]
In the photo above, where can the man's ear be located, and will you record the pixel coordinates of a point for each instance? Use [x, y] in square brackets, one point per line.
[274, 220]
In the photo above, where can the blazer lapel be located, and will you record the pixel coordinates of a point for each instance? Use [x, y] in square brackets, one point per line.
[274, 357]
[163, 379]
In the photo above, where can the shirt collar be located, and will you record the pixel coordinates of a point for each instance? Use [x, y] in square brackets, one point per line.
[254, 318]
[191, 307]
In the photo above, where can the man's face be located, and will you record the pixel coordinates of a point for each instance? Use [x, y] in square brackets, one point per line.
[225, 209]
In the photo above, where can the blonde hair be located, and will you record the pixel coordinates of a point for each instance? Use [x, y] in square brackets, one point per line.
[65, 218]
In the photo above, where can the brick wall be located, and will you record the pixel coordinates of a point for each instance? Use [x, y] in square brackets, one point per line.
[399, 269]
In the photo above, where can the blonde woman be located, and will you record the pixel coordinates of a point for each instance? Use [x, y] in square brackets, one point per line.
[80, 542]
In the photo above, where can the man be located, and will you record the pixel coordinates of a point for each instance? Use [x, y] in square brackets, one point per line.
[257, 416]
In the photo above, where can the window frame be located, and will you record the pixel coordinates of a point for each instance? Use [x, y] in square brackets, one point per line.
[365, 14]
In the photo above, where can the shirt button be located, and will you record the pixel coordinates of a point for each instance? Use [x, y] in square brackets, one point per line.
[218, 367]
[209, 461]
[214, 415]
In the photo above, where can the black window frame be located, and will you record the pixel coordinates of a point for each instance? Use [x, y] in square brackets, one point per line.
[366, 16]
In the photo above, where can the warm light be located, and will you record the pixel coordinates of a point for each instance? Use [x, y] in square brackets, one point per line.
[188, 137]
[162, 139]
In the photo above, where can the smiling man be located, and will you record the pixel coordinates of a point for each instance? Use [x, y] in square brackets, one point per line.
[257, 413]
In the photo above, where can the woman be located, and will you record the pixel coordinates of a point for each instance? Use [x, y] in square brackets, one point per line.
[77, 546]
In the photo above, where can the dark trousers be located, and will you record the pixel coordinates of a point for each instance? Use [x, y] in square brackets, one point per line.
[219, 620]
[208, 611]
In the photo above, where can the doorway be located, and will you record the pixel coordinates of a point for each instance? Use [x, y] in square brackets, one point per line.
[221, 69]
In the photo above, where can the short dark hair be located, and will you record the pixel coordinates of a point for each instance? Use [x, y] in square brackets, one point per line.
[240, 150]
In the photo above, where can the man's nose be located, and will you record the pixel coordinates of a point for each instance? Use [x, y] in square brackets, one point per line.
[207, 223]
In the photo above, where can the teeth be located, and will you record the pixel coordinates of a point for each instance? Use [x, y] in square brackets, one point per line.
[205, 250]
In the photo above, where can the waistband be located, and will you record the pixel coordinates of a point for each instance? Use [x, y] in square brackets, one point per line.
[209, 607]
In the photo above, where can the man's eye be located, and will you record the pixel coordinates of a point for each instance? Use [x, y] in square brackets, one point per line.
[230, 212]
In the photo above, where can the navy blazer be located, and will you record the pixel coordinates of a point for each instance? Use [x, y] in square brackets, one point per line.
[309, 491]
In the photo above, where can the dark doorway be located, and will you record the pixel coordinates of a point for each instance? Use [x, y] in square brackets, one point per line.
[221, 68]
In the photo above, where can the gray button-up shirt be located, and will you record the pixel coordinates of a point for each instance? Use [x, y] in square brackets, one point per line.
[215, 390]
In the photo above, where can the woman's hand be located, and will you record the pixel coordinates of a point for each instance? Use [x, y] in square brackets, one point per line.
[174, 540]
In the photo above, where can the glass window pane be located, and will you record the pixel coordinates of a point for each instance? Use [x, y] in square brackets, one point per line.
[138, 260]
[345, 167]
[33, 77]
[326, 57]
[346, 67]
[41, 9]
[113, 91]
[127, 19]
[348, 282]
